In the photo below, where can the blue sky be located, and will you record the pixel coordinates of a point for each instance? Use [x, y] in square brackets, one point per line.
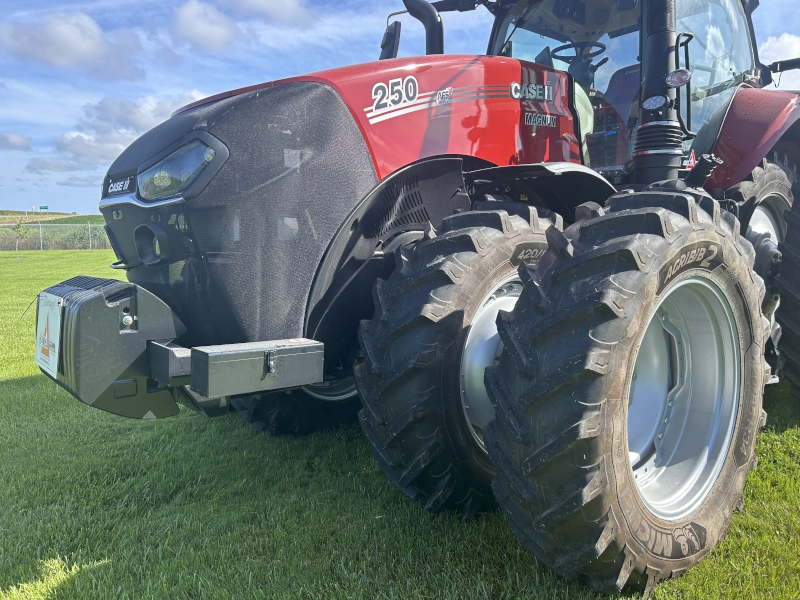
[80, 80]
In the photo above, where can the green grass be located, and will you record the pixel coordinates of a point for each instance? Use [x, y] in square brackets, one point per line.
[23, 212]
[79, 220]
[97, 506]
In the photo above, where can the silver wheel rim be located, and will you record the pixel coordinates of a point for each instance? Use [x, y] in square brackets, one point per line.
[334, 390]
[482, 349]
[683, 398]
[767, 217]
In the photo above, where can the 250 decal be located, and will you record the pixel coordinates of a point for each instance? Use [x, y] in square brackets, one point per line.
[398, 92]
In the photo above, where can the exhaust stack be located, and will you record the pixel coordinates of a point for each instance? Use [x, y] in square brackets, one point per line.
[658, 149]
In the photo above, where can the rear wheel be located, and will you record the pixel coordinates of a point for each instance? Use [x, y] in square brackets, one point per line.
[628, 395]
[425, 351]
[763, 198]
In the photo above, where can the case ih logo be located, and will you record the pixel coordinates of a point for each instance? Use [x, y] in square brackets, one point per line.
[531, 91]
[119, 187]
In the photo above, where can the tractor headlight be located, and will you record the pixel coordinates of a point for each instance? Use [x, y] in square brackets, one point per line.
[176, 172]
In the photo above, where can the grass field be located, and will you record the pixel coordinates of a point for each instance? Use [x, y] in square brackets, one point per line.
[96, 506]
[12, 218]
[79, 220]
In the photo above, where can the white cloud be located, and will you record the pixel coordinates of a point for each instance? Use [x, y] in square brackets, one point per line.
[81, 182]
[786, 46]
[15, 141]
[60, 40]
[281, 10]
[108, 127]
[203, 26]
[135, 116]
[69, 40]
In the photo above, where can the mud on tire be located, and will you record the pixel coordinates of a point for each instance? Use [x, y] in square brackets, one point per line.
[409, 381]
[561, 388]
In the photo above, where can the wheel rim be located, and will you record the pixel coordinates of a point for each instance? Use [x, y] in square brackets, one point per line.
[334, 390]
[767, 217]
[683, 398]
[482, 348]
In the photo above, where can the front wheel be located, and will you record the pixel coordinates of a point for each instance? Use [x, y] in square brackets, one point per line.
[425, 350]
[629, 393]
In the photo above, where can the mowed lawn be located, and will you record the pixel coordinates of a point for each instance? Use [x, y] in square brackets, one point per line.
[97, 506]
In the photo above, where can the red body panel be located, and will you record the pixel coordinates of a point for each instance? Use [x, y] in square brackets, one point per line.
[462, 105]
[756, 120]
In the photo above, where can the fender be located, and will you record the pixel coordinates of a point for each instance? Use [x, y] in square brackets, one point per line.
[558, 186]
[401, 208]
[756, 120]
[397, 211]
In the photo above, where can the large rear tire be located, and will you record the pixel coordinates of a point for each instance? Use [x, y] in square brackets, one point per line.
[629, 392]
[764, 198]
[425, 350]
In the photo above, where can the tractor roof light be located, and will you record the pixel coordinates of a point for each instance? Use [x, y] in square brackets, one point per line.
[176, 172]
[678, 78]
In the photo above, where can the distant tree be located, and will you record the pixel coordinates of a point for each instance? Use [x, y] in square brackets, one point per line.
[21, 231]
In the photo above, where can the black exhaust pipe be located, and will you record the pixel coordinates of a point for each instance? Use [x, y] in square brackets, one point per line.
[658, 150]
[430, 18]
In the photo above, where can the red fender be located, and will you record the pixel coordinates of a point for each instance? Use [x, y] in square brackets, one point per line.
[756, 120]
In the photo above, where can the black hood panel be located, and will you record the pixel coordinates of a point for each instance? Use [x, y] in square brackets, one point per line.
[249, 245]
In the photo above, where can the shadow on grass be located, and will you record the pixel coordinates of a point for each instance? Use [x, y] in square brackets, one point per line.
[783, 409]
[190, 506]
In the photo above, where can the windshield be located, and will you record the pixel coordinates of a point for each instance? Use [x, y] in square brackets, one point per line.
[721, 56]
[598, 44]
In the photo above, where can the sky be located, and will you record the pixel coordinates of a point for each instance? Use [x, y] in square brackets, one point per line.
[80, 80]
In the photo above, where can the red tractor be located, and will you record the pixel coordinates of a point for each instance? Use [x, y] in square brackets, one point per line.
[546, 277]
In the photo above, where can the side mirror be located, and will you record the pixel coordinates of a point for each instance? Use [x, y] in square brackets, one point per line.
[625, 5]
[459, 5]
[785, 65]
[391, 41]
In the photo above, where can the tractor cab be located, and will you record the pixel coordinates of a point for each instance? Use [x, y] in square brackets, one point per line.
[597, 42]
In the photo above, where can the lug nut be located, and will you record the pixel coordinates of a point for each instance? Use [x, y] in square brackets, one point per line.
[127, 320]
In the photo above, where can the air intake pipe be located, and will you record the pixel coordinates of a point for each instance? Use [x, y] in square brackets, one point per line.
[658, 150]
[429, 17]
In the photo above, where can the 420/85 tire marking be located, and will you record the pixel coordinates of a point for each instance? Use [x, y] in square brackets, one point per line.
[398, 92]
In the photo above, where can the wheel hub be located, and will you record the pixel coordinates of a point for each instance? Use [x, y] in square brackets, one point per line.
[683, 398]
[482, 348]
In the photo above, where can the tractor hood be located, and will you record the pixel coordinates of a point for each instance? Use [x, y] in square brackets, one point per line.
[226, 210]
[413, 108]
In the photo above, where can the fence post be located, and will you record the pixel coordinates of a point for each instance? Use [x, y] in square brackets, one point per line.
[89, 225]
[41, 246]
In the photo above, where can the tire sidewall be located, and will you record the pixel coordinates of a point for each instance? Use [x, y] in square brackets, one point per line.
[676, 545]
[776, 189]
